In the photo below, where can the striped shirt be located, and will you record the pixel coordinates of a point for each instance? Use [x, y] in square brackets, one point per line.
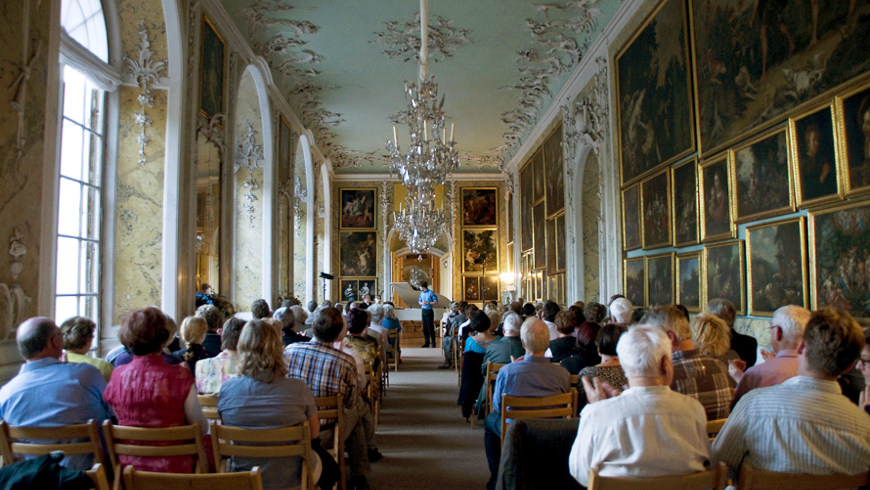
[804, 425]
[704, 379]
[326, 370]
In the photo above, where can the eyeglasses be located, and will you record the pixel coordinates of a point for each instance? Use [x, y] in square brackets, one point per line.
[864, 362]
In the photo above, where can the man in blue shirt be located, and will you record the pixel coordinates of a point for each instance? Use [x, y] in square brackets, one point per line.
[48, 393]
[426, 300]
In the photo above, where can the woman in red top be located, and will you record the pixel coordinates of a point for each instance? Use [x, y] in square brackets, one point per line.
[148, 392]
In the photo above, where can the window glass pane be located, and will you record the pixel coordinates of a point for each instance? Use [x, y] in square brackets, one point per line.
[88, 308]
[69, 208]
[67, 265]
[64, 308]
[89, 267]
[97, 41]
[94, 158]
[92, 214]
[71, 150]
[74, 95]
[83, 20]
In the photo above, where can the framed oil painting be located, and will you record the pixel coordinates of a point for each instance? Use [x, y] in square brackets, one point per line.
[655, 203]
[554, 185]
[840, 258]
[213, 71]
[490, 286]
[358, 208]
[479, 250]
[358, 253]
[655, 117]
[689, 281]
[349, 290]
[560, 240]
[762, 177]
[853, 121]
[815, 157]
[540, 236]
[367, 286]
[660, 279]
[526, 200]
[631, 217]
[776, 265]
[635, 281]
[479, 206]
[684, 180]
[715, 212]
[786, 57]
[538, 175]
[510, 218]
[552, 246]
[724, 274]
[471, 289]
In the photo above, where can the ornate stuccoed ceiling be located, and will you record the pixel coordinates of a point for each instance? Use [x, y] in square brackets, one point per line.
[342, 65]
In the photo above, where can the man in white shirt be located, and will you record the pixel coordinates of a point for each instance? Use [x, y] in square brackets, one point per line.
[804, 424]
[551, 309]
[647, 431]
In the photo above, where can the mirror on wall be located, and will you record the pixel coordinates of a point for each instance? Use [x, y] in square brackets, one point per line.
[208, 214]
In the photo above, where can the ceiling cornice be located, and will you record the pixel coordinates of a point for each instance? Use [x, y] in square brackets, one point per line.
[463, 177]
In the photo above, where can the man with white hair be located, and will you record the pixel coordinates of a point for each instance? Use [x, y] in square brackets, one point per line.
[620, 311]
[533, 376]
[786, 332]
[665, 430]
[510, 346]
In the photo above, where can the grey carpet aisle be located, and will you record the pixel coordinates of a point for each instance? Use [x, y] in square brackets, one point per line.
[424, 439]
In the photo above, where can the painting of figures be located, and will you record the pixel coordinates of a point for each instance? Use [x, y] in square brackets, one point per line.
[540, 236]
[815, 158]
[763, 179]
[538, 175]
[480, 250]
[840, 251]
[631, 215]
[655, 202]
[358, 253]
[635, 282]
[660, 279]
[685, 181]
[689, 281]
[349, 291]
[855, 120]
[478, 207]
[756, 60]
[554, 178]
[654, 94]
[776, 266]
[526, 201]
[715, 200]
[724, 274]
[357, 208]
[211, 88]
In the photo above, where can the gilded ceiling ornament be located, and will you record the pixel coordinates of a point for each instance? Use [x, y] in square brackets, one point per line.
[250, 154]
[403, 40]
[146, 71]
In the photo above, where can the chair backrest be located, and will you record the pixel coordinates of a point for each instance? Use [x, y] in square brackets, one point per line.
[124, 441]
[714, 478]
[393, 355]
[522, 407]
[71, 439]
[209, 405]
[492, 369]
[147, 480]
[713, 428]
[752, 478]
[330, 411]
[98, 476]
[575, 381]
[228, 441]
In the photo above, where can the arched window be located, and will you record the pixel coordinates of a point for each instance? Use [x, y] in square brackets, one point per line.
[83, 20]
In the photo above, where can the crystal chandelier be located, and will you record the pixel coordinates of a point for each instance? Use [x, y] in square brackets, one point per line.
[429, 158]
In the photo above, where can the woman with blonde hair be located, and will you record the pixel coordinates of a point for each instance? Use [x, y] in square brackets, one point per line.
[262, 397]
[712, 336]
[193, 330]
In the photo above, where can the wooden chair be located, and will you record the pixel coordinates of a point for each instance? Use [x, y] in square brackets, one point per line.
[752, 478]
[521, 407]
[228, 441]
[71, 439]
[209, 406]
[393, 357]
[147, 480]
[373, 392]
[714, 478]
[122, 441]
[330, 411]
[492, 369]
[575, 382]
[97, 473]
[713, 428]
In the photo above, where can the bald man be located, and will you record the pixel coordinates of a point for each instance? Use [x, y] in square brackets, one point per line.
[532, 376]
[48, 393]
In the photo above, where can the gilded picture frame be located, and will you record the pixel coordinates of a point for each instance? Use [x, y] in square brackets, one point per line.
[213, 70]
[684, 183]
[839, 239]
[552, 246]
[348, 290]
[471, 289]
[560, 240]
[540, 236]
[659, 272]
[634, 280]
[852, 112]
[776, 265]
[762, 176]
[357, 208]
[725, 273]
[817, 178]
[479, 206]
[554, 185]
[689, 291]
[631, 238]
[480, 250]
[714, 205]
[526, 204]
[538, 176]
[655, 205]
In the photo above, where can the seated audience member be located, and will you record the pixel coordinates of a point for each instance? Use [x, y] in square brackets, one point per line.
[260, 309]
[47, 392]
[391, 322]
[78, 335]
[376, 318]
[528, 310]
[329, 372]
[288, 324]
[193, 330]
[148, 392]
[262, 397]
[482, 336]
[534, 376]
[587, 351]
[126, 356]
[786, 332]
[609, 370]
[464, 328]
[357, 323]
[212, 372]
[310, 307]
[648, 430]
[565, 345]
[456, 319]
[595, 312]
[864, 367]
[744, 345]
[804, 424]
[549, 312]
[700, 376]
[213, 318]
[472, 360]
[509, 347]
[620, 311]
[712, 337]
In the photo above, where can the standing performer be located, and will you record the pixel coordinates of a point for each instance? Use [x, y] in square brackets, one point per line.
[426, 300]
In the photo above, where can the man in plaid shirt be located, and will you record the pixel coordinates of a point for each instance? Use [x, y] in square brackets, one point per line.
[697, 375]
[328, 372]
